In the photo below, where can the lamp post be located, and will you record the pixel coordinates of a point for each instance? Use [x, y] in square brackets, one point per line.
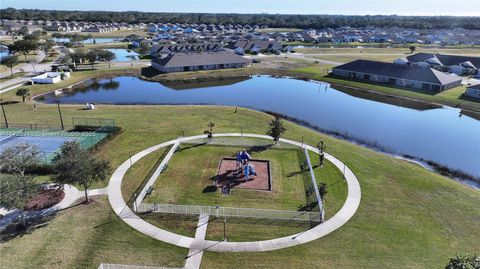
[60, 114]
[225, 229]
[4, 115]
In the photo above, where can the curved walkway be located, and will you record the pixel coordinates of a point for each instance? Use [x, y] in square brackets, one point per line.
[72, 194]
[339, 219]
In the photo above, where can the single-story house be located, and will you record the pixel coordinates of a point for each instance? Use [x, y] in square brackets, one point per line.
[473, 91]
[408, 76]
[50, 77]
[460, 65]
[180, 62]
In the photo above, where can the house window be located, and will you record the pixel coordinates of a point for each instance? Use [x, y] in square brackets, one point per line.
[366, 77]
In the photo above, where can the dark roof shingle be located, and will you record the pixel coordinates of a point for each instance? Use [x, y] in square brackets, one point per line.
[417, 73]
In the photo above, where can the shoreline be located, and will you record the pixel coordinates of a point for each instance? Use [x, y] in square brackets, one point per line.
[454, 174]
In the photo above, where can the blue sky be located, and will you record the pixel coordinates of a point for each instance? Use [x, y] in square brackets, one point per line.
[347, 7]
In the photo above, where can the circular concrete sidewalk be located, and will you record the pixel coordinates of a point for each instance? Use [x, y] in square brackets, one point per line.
[338, 220]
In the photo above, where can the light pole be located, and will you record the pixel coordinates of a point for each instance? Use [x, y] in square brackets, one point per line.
[225, 229]
[60, 114]
[3, 111]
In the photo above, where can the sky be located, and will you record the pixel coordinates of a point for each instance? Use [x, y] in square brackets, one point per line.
[345, 7]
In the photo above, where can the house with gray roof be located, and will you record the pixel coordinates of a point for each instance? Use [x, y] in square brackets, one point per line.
[181, 62]
[460, 65]
[399, 75]
[473, 91]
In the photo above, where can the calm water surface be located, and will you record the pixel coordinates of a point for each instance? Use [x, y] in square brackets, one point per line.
[123, 55]
[442, 135]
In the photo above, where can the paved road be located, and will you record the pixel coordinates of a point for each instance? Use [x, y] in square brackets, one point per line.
[339, 219]
[27, 67]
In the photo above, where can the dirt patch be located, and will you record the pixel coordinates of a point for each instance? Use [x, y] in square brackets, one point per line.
[229, 177]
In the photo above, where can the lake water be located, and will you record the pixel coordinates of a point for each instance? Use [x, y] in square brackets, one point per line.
[123, 55]
[442, 135]
[3, 51]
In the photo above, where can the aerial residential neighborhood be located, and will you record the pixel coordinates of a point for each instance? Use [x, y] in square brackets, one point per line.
[258, 134]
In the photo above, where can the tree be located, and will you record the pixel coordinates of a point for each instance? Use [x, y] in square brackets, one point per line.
[412, 49]
[16, 190]
[144, 48]
[24, 31]
[23, 92]
[321, 152]
[23, 46]
[462, 261]
[322, 189]
[18, 158]
[75, 165]
[65, 60]
[10, 62]
[47, 46]
[91, 57]
[276, 128]
[107, 56]
[209, 131]
[77, 56]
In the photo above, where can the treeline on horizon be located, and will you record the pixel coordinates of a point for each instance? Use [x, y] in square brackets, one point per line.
[272, 20]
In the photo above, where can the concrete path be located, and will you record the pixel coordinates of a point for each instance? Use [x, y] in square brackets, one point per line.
[338, 220]
[195, 254]
[72, 194]
[156, 174]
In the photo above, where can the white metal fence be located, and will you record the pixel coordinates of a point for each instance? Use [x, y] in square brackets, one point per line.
[155, 175]
[230, 212]
[314, 184]
[123, 266]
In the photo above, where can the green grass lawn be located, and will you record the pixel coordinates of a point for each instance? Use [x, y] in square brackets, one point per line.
[83, 237]
[335, 182]
[193, 169]
[408, 217]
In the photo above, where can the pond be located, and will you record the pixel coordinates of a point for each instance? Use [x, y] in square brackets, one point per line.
[3, 51]
[124, 55]
[442, 135]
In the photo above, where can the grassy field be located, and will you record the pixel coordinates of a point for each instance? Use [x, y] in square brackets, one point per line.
[15, 75]
[185, 183]
[408, 217]
[83, 237]
[112, 34]
[121, 33]
[115, 45]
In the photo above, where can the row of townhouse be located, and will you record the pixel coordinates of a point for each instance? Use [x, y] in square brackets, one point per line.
[393, 35]
[201, 28]
[70, 26]
[421, 71]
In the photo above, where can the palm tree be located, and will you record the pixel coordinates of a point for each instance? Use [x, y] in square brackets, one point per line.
[23, 92]
[412, 49]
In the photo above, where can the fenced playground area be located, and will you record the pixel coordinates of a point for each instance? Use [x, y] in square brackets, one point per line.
[199, 177]
[48, 139]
